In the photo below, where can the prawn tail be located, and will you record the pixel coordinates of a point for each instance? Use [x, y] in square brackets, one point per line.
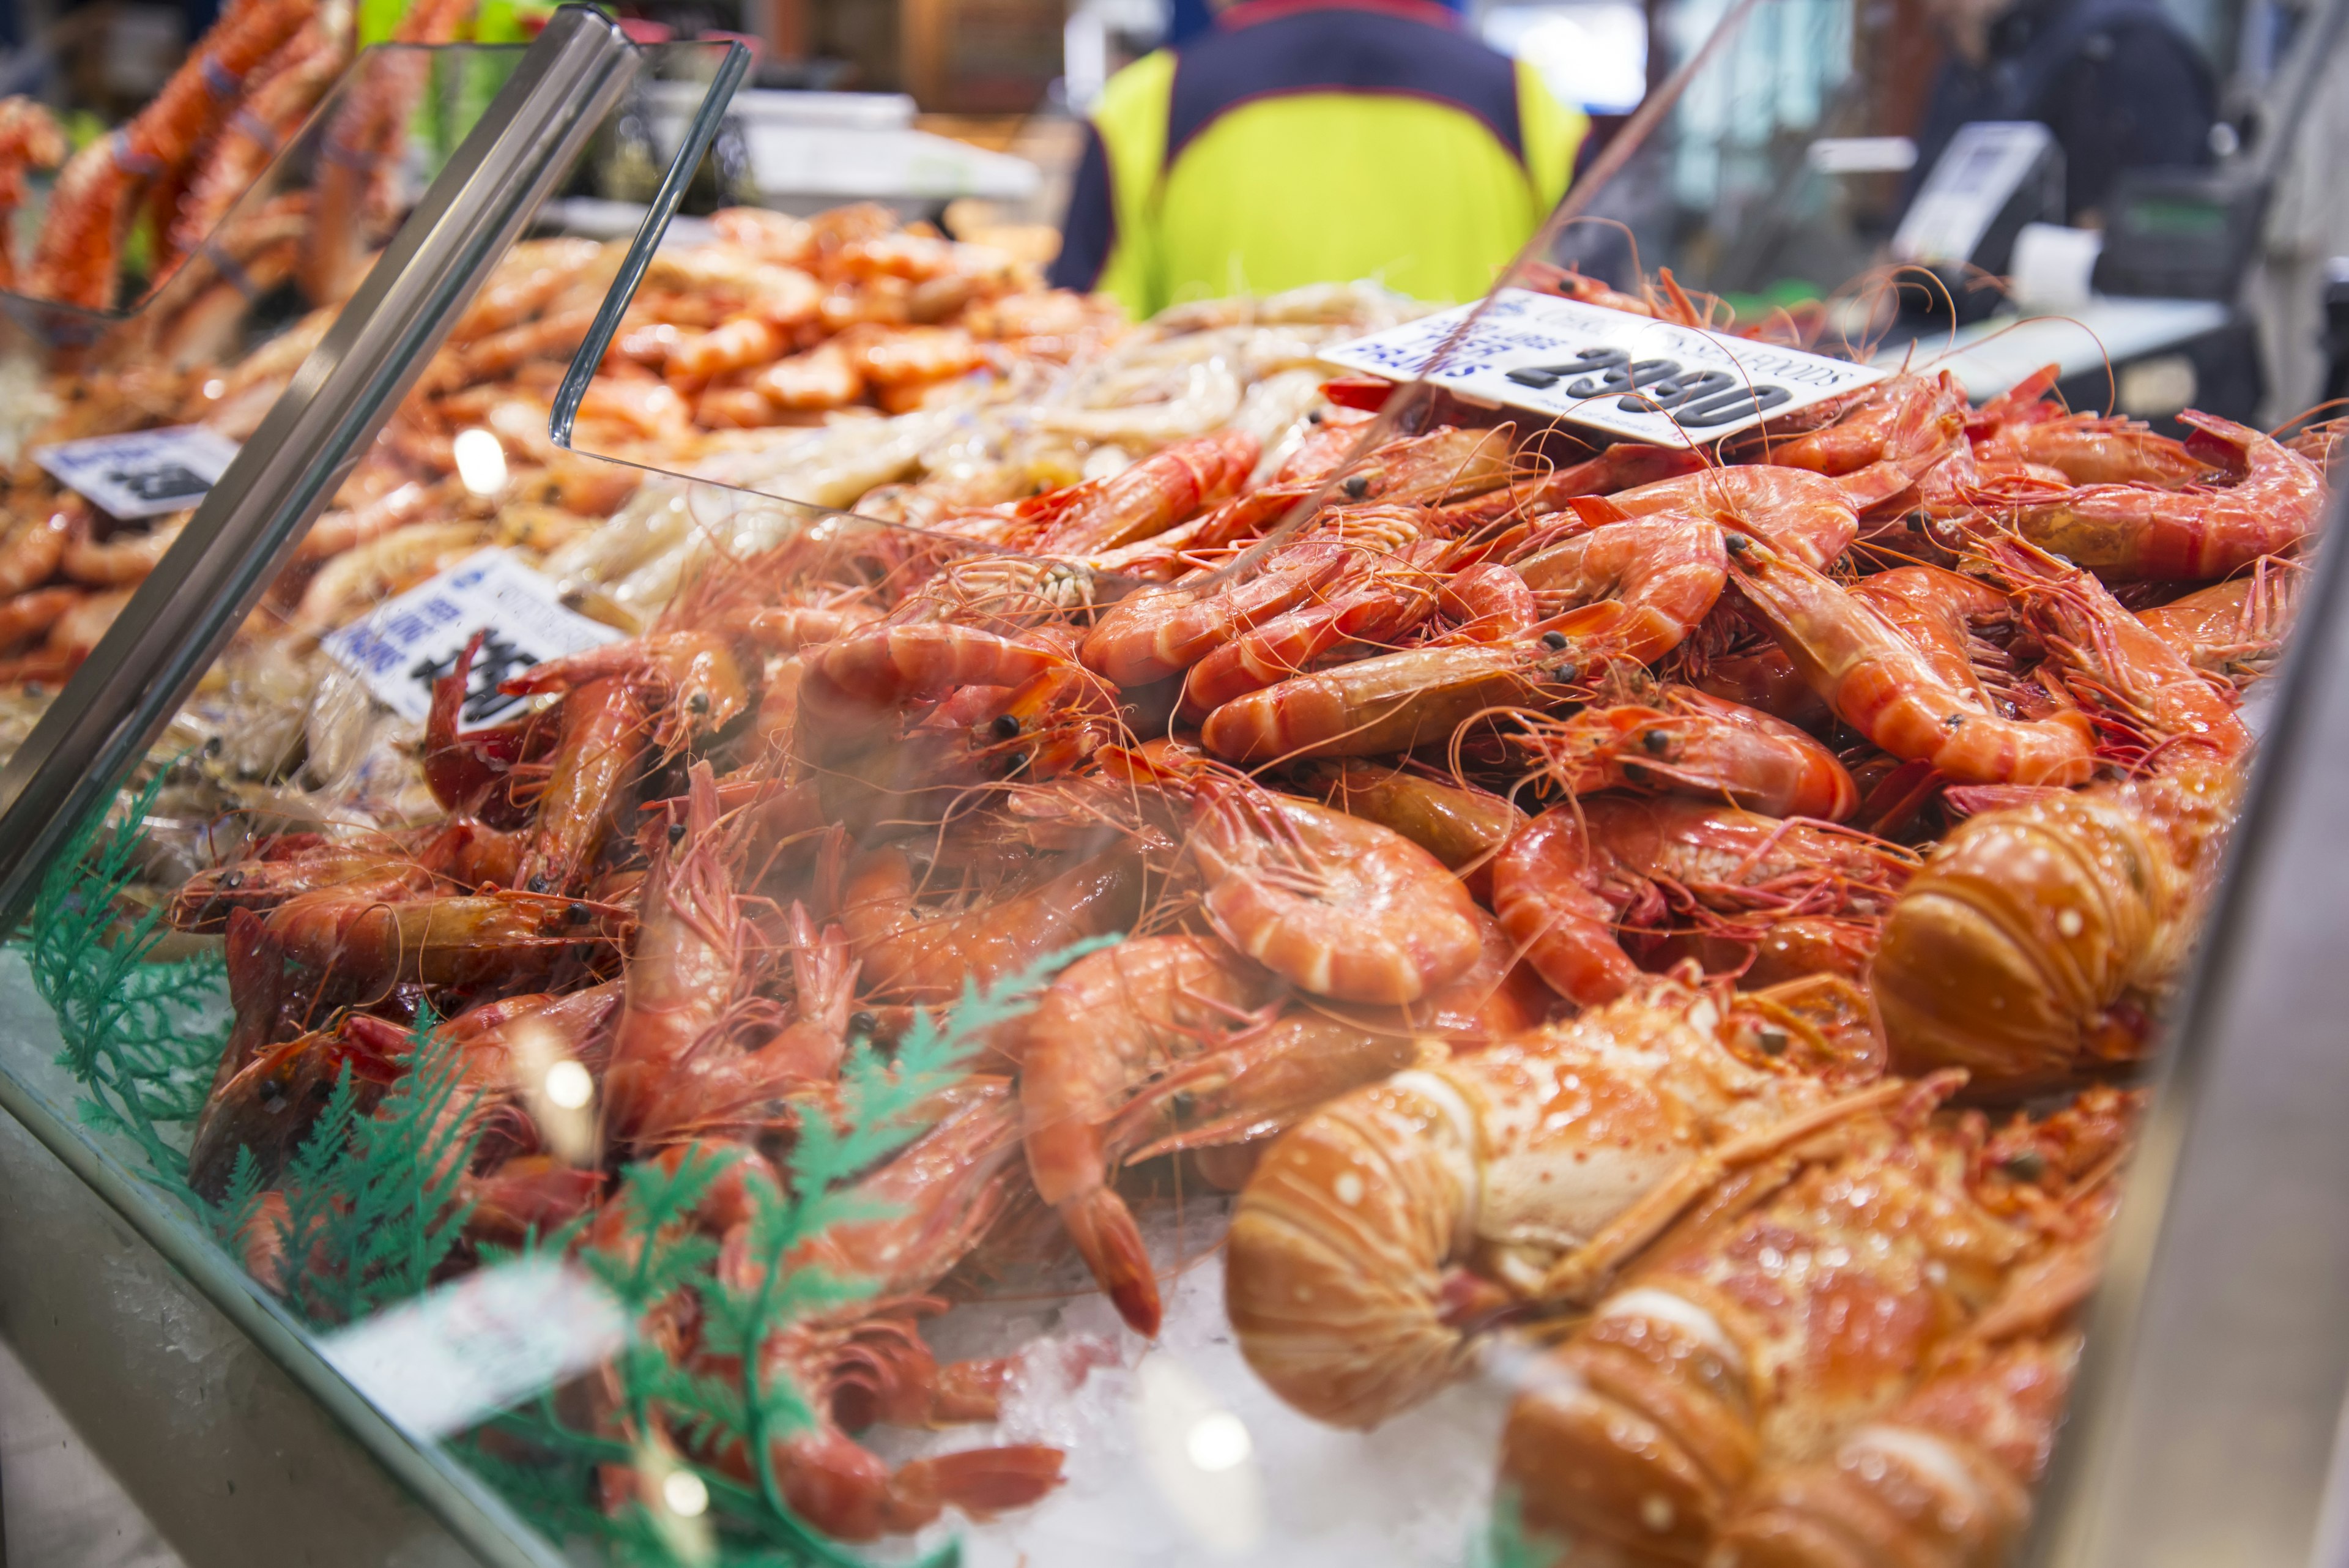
[1111, 1244]
[980, 1482]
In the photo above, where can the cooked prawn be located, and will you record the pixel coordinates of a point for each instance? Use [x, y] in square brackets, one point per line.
[1882, 685]
[2128, 532]
[1570, 876]
[1692, 743]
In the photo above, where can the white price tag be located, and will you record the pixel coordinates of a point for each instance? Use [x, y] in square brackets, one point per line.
[144, 474]
[1631, 376]
[440, 1362]
[409, 642]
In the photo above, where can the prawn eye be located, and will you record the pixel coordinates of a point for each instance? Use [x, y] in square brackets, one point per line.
[1771, 1041]
[1018, 766]
[676, 831]
[1566, 672]
[697, 703]
[1736, 543]
[1655, 740]
[1916, 522]
[232, 880]
[1006, 726]
[2028, 1166]
[1553, 640]
[863, 1023]
[1357, 486]
[537, 883]
[579, 913]
[273, 1095]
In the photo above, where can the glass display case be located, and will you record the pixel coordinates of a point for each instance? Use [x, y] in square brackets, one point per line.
[909, 926]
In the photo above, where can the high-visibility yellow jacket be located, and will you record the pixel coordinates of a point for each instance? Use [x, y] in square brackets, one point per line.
[1313, 142]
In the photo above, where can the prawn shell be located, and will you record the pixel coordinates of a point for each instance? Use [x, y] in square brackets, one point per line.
[1465, 828]
[1402, 934]
[1390, 703]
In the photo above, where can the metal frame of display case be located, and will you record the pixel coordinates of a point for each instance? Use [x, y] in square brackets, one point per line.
[184, 614]
[2207, 1425]
[2205, 1429]
[185, 1392]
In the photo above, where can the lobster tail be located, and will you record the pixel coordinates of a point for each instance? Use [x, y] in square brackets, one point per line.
[2015, 953]
[1334, 1271]
[1638, 1432]
[1890, 1494]
[1944, 1479]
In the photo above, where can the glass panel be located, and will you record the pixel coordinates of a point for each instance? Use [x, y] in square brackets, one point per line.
[864, 912]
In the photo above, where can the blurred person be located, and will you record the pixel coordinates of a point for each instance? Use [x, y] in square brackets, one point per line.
[1305, 142]
[2115, 80]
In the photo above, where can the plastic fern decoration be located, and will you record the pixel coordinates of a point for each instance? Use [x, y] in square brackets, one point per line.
[1507, 1541]
[662, 1404]
[373, 1203]
[135, 1037]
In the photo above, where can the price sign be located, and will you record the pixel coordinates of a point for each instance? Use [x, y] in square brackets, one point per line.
[411, 641]
[1631, 377]
[144, 474]
[440, 1362]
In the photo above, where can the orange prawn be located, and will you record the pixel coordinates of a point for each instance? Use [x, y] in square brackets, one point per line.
[30, 138]
[688, 966]
[1149, 635]
[1802, 895]
[1462, 826]
[2087, 449]
[1636, 588]
[354, 932]
[1176, 483]
[693, 676]
[1801, 515]
[1110, 1023]
[863, 1364]
[1335, 905]
[2236, 628]
[75, 261]
[1687, 741]
[914, 954]
[602, 736]
[2116, 666]
[1375, 603]
[1897, 695]
[1903, 418]
[2127, 532]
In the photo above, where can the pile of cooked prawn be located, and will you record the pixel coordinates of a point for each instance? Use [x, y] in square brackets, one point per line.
[1599, 913]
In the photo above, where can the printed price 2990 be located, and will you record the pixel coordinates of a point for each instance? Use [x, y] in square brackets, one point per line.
[1696, 398]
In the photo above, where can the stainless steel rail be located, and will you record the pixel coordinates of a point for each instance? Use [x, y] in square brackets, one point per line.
[182, 617]
[531, 133]
[2206, 1427]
